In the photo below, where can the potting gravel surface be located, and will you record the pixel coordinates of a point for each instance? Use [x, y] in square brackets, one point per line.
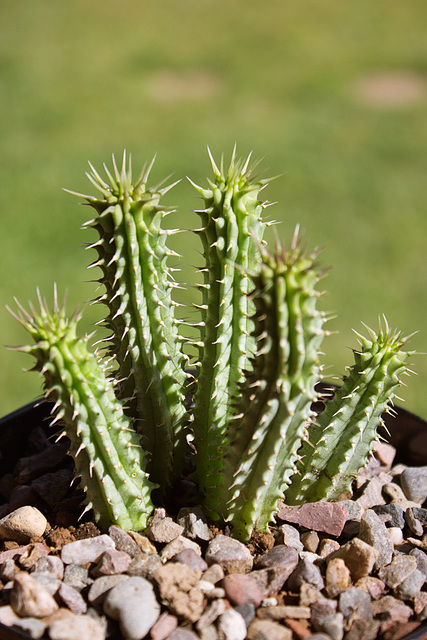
[354, 569]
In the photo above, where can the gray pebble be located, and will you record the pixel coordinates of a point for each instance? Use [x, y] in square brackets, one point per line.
[395, 512]
[72, 599]
[291, 537]
[99, 589]
[375, 533]
[414, 483]
[408, 589]
[123, 541]
[247, 611]
[172, 548]
[421, 558]
[8, 570]
[144, 566]
[47, 580]
[355, 510]
[398, 570]
[213, 574]
[87, 550]
[183, 634]
[231, 554]
[194, 522]
[162, 528]
[332, 625]
[355, 603]
[77, 576]
[191, 559]
[413, 523]
[134, 604]
[306, 572]
[50, 564]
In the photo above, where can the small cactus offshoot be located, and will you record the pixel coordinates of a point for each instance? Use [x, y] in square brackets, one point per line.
[252, 437]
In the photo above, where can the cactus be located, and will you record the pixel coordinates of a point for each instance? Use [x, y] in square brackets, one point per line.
[341, 438]
[231, 234]
[104, 445]
[276, 396]
[253, 436]
[144, 341]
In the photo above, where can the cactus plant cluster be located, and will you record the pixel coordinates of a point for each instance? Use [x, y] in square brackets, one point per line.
[252, 436]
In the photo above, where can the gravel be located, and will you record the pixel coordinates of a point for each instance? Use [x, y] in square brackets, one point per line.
[353, 570]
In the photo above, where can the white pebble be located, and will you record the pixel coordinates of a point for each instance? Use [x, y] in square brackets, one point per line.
[22, 524]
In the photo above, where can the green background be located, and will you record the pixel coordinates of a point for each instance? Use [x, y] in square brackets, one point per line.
[331, 94]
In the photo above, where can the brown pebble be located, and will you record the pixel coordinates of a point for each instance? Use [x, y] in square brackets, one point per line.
[329, 517]
[242, 588]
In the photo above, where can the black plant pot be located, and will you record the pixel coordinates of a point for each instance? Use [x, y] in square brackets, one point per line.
[407, 433]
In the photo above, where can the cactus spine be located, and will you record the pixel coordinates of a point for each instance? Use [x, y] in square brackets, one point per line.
[231, 233]
[276, 396]
[144, 341]
[105, 447]
[342, 436]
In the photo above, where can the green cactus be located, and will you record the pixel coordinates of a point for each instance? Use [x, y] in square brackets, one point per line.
[231, 235]
[253, 437]
[276, 396]
[144, 341]
[341, 438]
[104, 445]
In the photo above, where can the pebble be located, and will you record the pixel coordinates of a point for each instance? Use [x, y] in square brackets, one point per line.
[278, 556]
[182, 634]
[306, 572]
[390, 608]
[396, 535]
[329, 517]
[50, 564]
[111, 563]
[375, 533]
[395, 513]
[87, 550]
[162, 528]
[413, 481]
[310, 540]
[191, 559]
[231, 626]
[398, 570]
[408, 589]
[421, 558]
[72, 599]
[355, 510]
[194, 522]
[372, 493]
[177, 585]
[413, 523]
[327, 547]
[133, 603]
[178, 544]
[123, 541]
[394, 491]
[144, 566]
[40, 547]
[363, 630]
[29, 598]
[242, 588]
[231, 554]
[337, 577]
[77, 576]
[52, 487]
[23, 524]
[332, 625]
[214, 573]
[280, 612]
[210, 614]
[268, 630]
[163, 626]
[143, 543]
[290, 537]
[8, 570]
[247, 611]
[47, 580]
[374, 586]
[356, 603]
[74, 627]
[102, 586]
[359, 557]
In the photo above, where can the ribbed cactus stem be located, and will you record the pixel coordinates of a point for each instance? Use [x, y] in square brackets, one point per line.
[275, 405]
[105, 447]
[231, 233]
[342, 437]
[144, 337]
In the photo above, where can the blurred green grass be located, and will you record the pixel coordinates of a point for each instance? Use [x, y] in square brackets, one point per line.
[81, 80]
